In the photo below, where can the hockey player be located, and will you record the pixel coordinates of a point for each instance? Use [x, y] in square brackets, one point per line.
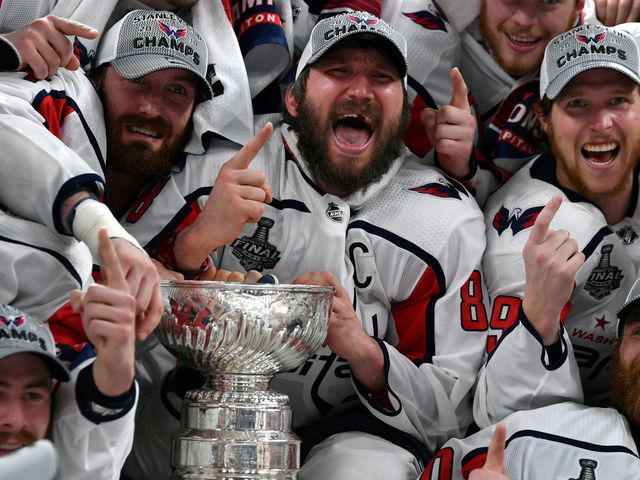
[90, 417]
[401, 243]
[565, 440]
[589, 109]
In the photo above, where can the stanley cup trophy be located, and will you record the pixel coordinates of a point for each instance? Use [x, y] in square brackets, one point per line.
[239, 336]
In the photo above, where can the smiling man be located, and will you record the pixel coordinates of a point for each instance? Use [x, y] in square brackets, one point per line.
[348, 206]
[589, 113]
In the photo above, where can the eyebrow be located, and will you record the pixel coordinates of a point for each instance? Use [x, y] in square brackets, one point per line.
[37, 384]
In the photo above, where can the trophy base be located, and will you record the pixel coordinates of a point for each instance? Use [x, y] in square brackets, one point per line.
[238, 430]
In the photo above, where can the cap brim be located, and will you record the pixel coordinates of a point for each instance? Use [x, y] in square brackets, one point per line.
[56, 367]
[136, 66]
[555, 87]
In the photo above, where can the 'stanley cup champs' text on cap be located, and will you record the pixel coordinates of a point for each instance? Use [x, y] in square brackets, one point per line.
[587, 47]
[20, 333]
[332, 30]
[145, 41]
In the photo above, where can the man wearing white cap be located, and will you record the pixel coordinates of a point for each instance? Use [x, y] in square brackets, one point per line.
[557, 345]
[91, 416]
[402, 244]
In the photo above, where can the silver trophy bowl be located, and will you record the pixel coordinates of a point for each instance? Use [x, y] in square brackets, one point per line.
[239, 336]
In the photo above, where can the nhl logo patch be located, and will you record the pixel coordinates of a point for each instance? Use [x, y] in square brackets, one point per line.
[335, 213]
[605, 277]
[627, 235]
[255, 252]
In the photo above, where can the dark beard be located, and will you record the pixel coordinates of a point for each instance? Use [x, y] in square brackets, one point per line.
[137, 158]
[25, 437]
[312, 145]
[625, 389]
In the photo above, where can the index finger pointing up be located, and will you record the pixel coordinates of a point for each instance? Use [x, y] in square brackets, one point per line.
[541, 226]
[245, 156]
[495, 455]
[459, 96]
[111, 269]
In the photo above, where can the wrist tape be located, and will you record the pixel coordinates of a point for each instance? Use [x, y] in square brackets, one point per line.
[88, 218]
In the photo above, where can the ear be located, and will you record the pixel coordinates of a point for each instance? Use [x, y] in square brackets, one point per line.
[542, 118]
[291, 102]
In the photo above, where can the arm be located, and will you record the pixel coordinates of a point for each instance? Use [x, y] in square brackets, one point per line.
[94, 415]
[42, 46]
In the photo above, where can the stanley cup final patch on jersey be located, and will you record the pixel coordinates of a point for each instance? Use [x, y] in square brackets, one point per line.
[604, 278]
[255, 252]
[587, 470]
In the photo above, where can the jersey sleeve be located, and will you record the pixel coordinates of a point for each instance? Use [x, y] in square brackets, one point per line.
[518, 374]
[435, 345]
[92, 433]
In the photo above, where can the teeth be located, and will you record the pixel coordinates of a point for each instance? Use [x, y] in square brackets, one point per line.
[144, 131]
[350, 115]
[525, 40]
[10, 447]
[601, 147]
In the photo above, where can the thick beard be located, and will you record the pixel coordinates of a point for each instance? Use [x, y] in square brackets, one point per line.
[625, 389]
[137, 158]
[312, 135]
[24, 437]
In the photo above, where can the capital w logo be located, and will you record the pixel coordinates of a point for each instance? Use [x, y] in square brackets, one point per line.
[178, 33]
[429, 20]
[16, 321]
[366, 21]
[517, 221]
[595, 39]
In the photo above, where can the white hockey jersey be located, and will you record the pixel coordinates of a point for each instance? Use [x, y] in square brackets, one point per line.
[566, 441]
[518, 374]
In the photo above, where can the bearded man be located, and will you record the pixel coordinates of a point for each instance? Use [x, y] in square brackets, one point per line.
[349, 207]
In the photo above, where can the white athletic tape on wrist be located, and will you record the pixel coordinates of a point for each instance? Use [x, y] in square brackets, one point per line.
[92, 215]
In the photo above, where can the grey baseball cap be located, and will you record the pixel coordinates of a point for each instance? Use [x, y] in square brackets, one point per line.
[584, 48]
[329, 31]
[145, 41]
[20, 333]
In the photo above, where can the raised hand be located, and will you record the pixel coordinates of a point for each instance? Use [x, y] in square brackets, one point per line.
[238, 197]
[44, 47]
[551, 260]
[144, 284]
[451, 129]
[346, 336]
[493, 468]
[614, 12]
[108, 318]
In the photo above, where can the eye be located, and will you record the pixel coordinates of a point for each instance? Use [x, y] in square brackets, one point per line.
[576, 103]
[549, 2]
[135, 80]
[619, 100]
[179, 89]
[36, 396]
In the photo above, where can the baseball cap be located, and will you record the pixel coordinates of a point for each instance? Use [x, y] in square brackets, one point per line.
[20, 333]
[329, 31]
[584, 48]
[145, 41]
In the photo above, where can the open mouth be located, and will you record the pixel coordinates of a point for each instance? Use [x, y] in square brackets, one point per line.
[353, 131]
[6, 449]
[523, 40]
[146, 132]
[600, 154]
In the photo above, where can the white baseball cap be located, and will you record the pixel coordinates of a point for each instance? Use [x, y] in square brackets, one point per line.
[329, 31]
[20, 333]
[145, 41]
[584, 48]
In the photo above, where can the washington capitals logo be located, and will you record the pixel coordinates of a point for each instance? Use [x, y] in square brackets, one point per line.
[518, 220]
[430, 20]
[85, 57]
[366, 21]
[586, 39]
[178, 33]
[15, 321]
[442, 189]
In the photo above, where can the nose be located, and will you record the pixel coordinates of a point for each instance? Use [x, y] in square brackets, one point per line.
[525, 12]
[12, 415]
[150, 102]
[601, 120]
[360, 87]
